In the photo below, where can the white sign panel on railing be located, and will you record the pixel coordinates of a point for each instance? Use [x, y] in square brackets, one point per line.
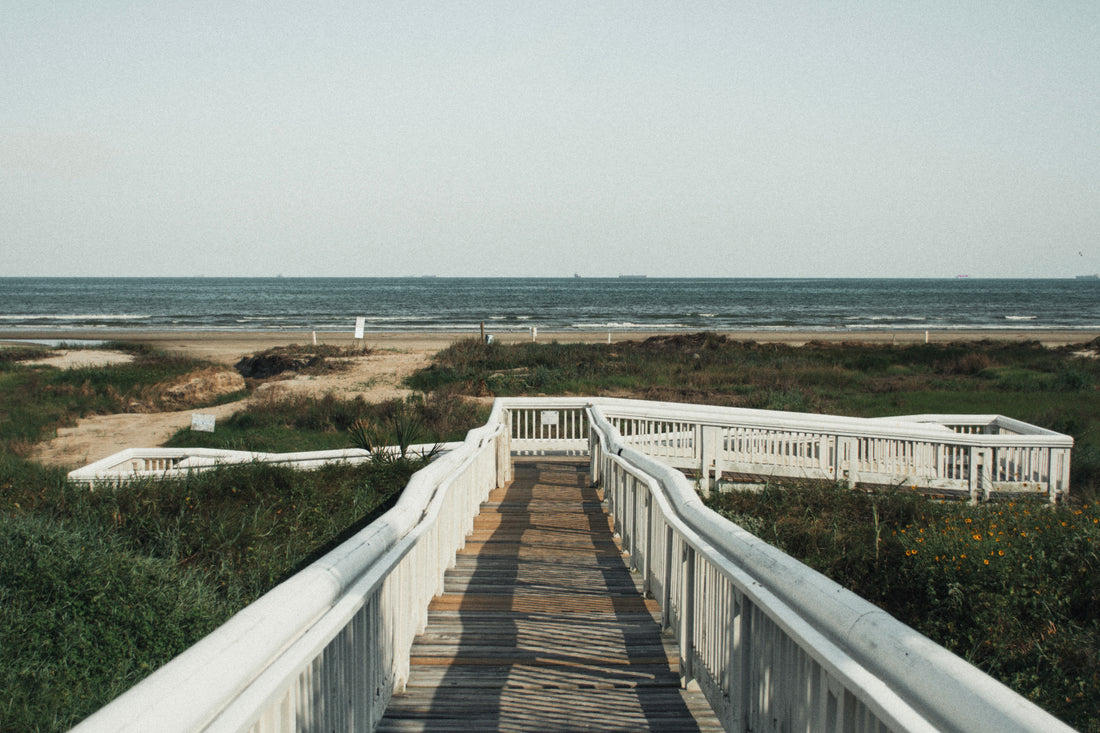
[549, 417]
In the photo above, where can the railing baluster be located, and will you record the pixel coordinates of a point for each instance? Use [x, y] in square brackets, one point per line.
[666, 590]
[687, 614]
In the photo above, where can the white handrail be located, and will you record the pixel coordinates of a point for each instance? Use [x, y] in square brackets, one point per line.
[919, 451]
[774, 644]
[164, 463]
[379, 583]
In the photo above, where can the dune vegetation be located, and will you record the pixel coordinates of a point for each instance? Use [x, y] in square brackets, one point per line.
[100, 588]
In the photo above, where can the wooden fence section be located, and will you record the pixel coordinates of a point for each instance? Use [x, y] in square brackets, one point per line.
[969, 456]
[773, 644]
[543, 627]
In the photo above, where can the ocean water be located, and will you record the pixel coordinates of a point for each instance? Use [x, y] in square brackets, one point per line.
[515, 304]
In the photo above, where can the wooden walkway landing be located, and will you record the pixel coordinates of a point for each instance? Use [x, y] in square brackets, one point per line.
[542, 626]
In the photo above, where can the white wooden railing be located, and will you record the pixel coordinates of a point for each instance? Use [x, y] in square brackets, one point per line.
[327, 648]
[975, 456]
[972, 456]
[166, 463]
[774, 645]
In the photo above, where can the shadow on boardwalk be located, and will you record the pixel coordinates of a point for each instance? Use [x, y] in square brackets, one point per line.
[543, 627]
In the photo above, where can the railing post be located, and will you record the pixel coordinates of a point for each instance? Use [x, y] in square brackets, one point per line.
[633, 543]
[699, 452]
[507, 443]
[647, 563]
[740, 664]
[611, 498]
[666, 586]
[846, 461]
[687, 614]
[504, 454]
[981, 481]
[973, 476]
[1062, 486]
[708, 438]
[594, 456]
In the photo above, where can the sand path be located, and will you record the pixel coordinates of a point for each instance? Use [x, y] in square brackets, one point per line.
[82, 358]
[376, 378]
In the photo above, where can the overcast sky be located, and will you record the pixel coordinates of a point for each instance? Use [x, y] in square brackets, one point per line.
[518, 138]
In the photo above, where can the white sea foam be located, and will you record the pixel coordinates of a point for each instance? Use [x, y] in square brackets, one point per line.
[924, 326]
[629, 325]
[76, 317]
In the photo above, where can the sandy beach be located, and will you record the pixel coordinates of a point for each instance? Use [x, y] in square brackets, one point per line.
[375, 377]
[229, 347]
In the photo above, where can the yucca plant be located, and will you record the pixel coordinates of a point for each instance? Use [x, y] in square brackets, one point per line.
[406, 428]
[365, 435]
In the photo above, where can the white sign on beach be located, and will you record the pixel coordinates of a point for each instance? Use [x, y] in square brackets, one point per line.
[360, 322]
[202, 423]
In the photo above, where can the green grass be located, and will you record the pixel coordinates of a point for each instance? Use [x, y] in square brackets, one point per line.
[85, 617]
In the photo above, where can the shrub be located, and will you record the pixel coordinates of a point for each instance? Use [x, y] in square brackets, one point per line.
[1012, 587]
[85, 617]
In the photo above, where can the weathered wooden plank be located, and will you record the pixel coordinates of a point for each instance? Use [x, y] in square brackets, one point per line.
[541, 626]
[439, 650]
[651, 708]
[539, 632]
[627, 700]
[546, 602]
[527, 588]
[530, 676]
[524, 509]
[524, 552]
[557, 518]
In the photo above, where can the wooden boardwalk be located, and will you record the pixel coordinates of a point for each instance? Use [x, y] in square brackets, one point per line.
[542, 626]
